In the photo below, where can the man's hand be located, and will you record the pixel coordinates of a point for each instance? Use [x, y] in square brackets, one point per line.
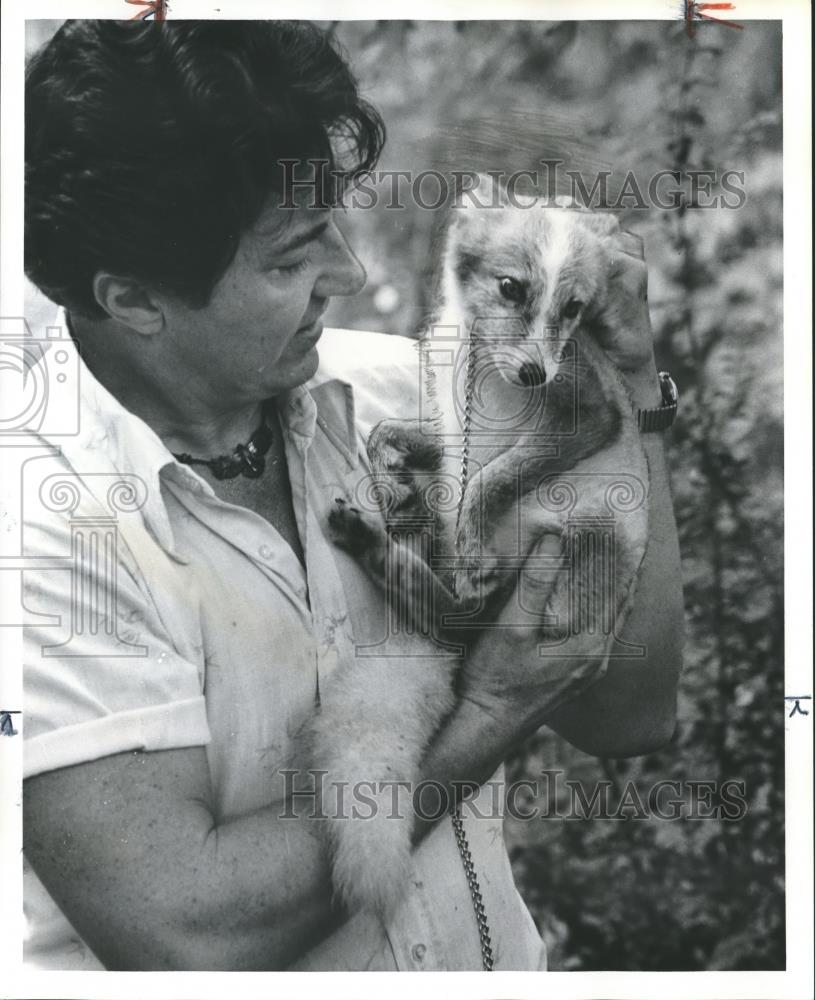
[627, 336]
[504, 672]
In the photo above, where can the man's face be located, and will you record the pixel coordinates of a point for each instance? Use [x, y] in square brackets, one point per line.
[257, 336]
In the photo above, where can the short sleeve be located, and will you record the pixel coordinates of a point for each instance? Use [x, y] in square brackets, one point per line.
[99, 678]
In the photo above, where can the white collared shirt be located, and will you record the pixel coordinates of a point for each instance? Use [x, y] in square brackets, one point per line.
[215, 635]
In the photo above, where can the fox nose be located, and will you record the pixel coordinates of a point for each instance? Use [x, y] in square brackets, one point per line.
[531, 374]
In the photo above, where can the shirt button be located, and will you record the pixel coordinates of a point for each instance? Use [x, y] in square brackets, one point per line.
[265, 552]
[419, 952]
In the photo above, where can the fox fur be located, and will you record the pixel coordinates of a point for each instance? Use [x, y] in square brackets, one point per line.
[536, 358]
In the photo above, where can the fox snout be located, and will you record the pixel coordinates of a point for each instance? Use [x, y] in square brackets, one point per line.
[532, 373]
[534, 363]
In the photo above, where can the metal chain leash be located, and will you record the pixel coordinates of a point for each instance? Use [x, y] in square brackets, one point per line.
[466, 423]
[475, 891]
[458, 821]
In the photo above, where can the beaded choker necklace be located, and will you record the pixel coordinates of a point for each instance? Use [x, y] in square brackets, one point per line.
[246, 459]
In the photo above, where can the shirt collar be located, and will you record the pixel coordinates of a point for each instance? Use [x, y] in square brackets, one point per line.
[114, 440]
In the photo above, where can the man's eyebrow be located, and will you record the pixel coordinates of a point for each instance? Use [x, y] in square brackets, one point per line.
[301, 240]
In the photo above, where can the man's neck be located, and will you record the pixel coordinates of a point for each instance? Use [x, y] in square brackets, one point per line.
[187, 416]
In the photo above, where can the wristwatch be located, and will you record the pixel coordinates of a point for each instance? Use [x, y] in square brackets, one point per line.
[660, 418]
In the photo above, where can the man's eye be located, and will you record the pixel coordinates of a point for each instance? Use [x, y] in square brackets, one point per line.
[299, 265]
[572, 308]
[512, 289]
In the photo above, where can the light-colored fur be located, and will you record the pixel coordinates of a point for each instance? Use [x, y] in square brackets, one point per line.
[574, 432]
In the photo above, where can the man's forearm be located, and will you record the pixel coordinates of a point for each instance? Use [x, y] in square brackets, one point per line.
[631, 710]
[466, 752]
[248, 893]
[276, 877]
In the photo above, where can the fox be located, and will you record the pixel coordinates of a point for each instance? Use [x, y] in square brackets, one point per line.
[527, 422]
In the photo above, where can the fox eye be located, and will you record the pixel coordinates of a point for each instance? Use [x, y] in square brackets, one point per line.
[512, 289]
[572, 308]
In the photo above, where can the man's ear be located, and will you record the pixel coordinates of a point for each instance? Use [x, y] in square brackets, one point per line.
[127, 301]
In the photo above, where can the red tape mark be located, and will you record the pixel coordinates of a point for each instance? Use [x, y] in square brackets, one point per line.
[156, 7]
[694, 12]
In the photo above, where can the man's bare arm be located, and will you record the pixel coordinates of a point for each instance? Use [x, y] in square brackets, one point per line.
[130, 849]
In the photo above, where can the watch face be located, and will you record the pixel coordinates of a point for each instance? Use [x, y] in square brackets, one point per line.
[670, 393]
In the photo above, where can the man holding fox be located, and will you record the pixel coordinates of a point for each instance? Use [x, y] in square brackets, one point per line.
[156, 836]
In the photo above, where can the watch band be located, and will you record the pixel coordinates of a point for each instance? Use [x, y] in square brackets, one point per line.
[660, 418]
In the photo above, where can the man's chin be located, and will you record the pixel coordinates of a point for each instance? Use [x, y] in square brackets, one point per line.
[311, 362]
[303, 369]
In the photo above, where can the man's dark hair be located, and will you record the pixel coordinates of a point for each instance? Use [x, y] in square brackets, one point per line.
[152, 147]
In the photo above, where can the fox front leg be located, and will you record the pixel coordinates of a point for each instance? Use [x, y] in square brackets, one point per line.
[403, 575]
[397, 451]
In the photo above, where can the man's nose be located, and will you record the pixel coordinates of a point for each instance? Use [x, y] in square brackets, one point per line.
[342, 273]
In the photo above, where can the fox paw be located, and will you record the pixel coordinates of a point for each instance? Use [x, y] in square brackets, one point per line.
[475, 585]
[356, 532]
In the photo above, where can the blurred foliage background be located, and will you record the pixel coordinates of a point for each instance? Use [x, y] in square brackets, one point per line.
[638, 894]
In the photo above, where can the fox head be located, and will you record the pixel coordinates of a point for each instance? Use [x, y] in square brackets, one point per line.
[525, 280]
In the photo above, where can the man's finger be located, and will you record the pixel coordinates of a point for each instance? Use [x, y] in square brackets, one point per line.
[630, 243]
